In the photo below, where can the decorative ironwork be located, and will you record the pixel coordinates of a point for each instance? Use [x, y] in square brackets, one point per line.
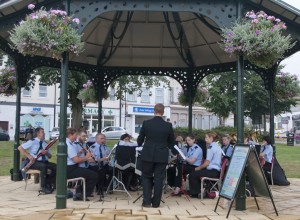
[222, 13]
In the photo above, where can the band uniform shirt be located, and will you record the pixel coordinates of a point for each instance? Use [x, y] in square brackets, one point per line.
[268, 152]
[194, 152]
[34, 146]
[96, 151]
[214, 155]
[228, 150]
[72, 152]
[79, 147]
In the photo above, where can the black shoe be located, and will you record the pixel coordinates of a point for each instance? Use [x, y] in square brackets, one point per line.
[45, 190]
[194, 196]
[146, 205]
[79, 197]
[90, 195]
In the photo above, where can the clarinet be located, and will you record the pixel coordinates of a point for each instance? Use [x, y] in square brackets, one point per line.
[88, 150]
[51, 143]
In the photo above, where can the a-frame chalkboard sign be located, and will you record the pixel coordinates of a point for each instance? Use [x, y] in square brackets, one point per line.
[244, 159]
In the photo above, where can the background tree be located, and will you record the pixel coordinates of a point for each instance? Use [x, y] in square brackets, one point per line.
[222, 94]
[50, 76]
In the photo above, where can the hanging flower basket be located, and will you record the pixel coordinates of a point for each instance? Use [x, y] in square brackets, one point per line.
[8, 86]
[46, 31]
[88, 93]
[258, 37]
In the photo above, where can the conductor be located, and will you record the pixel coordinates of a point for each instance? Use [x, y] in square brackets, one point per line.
[157, 136]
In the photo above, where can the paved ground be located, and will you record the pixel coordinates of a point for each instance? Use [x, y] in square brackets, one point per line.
[15, 203]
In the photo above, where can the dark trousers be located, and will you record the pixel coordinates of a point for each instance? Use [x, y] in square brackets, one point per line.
[187, 169]
[91, 177]
[129, 178]
[171, 172]
[43, 167]
[153, 175]
[195, 181]
[104, 175]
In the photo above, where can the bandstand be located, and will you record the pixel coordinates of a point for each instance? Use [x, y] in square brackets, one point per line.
[174, 38]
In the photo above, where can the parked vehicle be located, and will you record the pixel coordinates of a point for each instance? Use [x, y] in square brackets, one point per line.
[111, 132]
[54, 133]
[4, 136]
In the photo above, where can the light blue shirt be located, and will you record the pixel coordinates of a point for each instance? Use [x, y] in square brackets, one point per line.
[79, 147]
[72, 152]
[214, 155]
[268, 152]
[194, 152]
[104, 150]
[34, 145]
[228, 150]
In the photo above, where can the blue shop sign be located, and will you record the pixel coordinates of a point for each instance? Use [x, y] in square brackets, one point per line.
[36, 109]
[143, 110]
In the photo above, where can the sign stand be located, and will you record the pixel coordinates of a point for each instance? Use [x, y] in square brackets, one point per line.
[244, 159]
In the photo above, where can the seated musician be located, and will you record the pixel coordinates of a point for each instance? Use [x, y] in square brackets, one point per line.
[36, 146]
[194, 157]
[129, 177]
[101, 165]
[211, 166]
[81, 148]
[248, 139]
[227, 148]
[73, 170]
[266, 154]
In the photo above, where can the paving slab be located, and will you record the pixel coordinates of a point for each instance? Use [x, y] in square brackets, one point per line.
[16, 203]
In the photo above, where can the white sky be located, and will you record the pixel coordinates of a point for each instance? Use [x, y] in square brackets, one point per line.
[292, 63]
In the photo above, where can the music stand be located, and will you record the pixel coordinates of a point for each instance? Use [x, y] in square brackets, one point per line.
[124, 159]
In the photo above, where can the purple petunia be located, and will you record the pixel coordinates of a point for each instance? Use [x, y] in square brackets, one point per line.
[76, 20]
[258, 32]
[31, 6]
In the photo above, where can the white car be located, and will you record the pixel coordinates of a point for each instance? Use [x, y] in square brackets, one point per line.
[54, 133]
[111, 132]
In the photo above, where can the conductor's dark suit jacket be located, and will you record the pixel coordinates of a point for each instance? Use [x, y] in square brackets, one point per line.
[159, 138]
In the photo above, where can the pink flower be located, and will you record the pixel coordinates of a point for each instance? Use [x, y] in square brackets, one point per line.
[84, 86]
[271, 18]
[31, 6]
[258, 32]
[76, 20]
[255, 21]
[277, 20]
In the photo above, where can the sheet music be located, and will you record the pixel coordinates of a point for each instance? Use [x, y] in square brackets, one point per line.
[180, 152]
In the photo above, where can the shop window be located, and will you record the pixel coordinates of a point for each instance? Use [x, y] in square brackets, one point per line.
[159, 95]
[112, 93]
[131, 97]
[42, 91]
[26, 93]
[145, 96]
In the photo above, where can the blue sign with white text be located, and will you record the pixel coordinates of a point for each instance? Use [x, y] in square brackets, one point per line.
[143, 110]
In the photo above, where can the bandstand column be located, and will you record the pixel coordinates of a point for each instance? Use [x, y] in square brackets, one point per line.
[100, 88]
[61, 174]
[190, 102]
[271, 76]
[16, 167]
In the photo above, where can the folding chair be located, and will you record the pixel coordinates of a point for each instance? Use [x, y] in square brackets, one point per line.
[216, 182]
[76, 180]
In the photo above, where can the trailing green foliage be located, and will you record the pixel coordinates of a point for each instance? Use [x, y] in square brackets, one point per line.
[258, 37]
[46, 31]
